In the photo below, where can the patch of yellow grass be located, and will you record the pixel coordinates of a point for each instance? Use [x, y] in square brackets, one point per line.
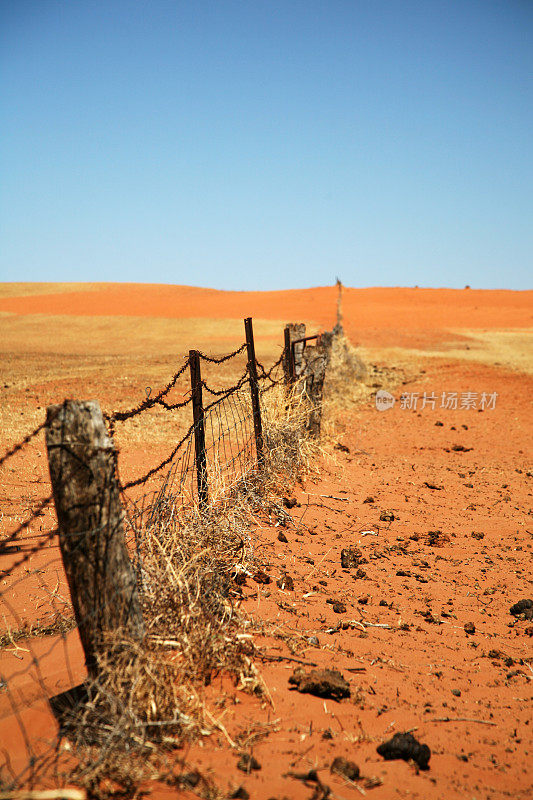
[507, 349]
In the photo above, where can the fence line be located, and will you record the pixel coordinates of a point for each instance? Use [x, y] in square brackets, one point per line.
[219, 451]
[40, 642]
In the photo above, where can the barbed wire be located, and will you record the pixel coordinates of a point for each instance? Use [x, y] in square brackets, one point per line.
[213, 360]
[229, 390]
[121, 416]
[268, 375]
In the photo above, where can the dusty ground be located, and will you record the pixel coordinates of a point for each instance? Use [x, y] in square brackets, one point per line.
[401, 642]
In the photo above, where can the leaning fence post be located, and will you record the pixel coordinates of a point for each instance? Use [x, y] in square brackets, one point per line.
[101, 579]
[254, 389]
[199, 426]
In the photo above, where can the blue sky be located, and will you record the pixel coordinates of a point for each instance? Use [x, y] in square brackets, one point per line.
[264, 144]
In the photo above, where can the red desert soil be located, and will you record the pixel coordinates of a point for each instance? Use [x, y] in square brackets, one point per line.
[453, 555]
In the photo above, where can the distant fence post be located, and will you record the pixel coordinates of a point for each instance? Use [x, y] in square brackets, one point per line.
[199, 426]
[81, 457]
[254, 389]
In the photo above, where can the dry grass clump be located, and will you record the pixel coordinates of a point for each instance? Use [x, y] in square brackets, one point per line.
[289, 451]
[148, 697]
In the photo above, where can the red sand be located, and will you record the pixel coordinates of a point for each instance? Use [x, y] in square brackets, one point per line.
[423, 672]
[366, 311]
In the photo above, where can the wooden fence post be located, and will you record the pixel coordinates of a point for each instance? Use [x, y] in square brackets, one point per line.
[254, 390]
[288, 364]
[82, 461]
[199, 427]
[315, 363]
[292, 361]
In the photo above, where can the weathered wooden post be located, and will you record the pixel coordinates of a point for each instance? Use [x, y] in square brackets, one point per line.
[199, 427]
[293, 355]
[254, 390]
[82, 461]
[287, 358]
[315, 362]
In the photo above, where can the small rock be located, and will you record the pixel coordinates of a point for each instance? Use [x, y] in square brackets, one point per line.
[522, 607]
[342, 447]
[282, 537]
[469, 627]
[341, 766]
[247, 763]
[456, 692]
[477, 535]
[360, 573]
[327, 734]
[387, 516]
[437, 539]
[313, 641]
[285, 582]
[363, 600]
[339, 608]
[290, 502]
[439, 424]
[369, 499]
[405, 746]
[326, 683]
[261, 577]
[459, 448]
[189, 780]
[351, 557]
[240, 794]
[404, 573]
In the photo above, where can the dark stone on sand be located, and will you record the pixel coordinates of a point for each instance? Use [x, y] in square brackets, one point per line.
[285, 582]
[247, 763]
[341, 766]
[521, 607]
[261, 577]
[351, 557]
[339, 608]
[404, 746]
[326, 683]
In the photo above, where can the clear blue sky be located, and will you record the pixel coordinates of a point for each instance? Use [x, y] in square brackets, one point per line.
[267, 143]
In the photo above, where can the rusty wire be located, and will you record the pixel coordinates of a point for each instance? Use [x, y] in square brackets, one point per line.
[121, 416]
[212, 360]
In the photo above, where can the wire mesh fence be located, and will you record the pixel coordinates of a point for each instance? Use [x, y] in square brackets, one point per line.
[42, 664]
